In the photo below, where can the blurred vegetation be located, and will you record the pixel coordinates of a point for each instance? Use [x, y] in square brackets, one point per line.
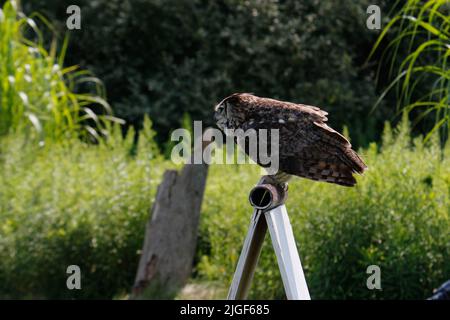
[74, 203]
[166, 58]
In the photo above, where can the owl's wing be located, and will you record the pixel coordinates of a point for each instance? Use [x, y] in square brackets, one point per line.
[308, 147]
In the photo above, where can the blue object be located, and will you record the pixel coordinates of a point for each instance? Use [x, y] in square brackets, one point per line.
[442, 293]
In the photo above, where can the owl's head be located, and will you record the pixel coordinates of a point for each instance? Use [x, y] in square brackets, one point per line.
[231, 111]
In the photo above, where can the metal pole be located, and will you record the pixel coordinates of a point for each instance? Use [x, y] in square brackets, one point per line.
[249, 257]
[270, 213]
[287, 255]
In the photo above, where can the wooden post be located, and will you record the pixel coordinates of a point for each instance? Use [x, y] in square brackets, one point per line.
[171, 234]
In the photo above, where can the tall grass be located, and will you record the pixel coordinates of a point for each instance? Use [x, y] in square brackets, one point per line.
[421, 76]
[74, 203]
[37, 93]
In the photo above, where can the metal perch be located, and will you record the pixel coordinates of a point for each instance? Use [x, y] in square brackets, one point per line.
[270, 212]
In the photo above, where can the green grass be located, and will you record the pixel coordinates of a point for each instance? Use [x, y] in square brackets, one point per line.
[38, 94]
[421, 74]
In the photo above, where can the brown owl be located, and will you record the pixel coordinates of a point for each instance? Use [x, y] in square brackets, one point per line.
[308, 147]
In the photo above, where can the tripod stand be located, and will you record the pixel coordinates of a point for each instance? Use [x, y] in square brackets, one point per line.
[269, 213]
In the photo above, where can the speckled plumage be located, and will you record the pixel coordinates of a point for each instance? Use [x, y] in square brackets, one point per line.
[308, 147]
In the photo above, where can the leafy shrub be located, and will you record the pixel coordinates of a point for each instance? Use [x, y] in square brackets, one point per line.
[397, 217]
[74, 204]
[36, 92]
[169, 57]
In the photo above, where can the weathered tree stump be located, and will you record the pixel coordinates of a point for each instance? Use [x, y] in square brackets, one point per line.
[171, 234]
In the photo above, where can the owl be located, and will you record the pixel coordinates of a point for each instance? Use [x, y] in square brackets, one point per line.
[308, 147]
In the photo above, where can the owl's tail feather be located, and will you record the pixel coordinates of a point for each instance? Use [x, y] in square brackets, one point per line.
[353, 160]
[340, 171]
[331, 172]
[335, 167]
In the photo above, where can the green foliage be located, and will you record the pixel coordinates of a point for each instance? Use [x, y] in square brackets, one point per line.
[421, 74]
[74, 203]
[397, 217]
[169, 57]
[66, 202]
[36, 92]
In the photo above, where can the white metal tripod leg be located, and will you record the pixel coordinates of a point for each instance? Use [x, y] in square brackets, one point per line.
[249, 257]
[287, 255]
